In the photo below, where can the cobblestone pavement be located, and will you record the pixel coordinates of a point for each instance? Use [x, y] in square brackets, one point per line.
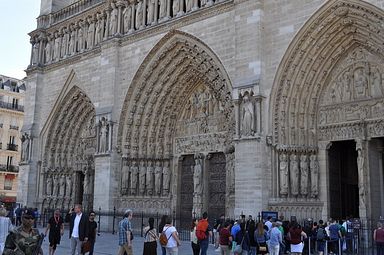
[107, 244]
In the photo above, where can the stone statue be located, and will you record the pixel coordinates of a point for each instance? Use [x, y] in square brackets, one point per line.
[361, 83]
[158, 173]
[47, 50]
[188, 5]
[247, 123]
[98, 31]
[64, 43]
[25, 147]
[283, 174]
[166, 177]
[72, 43]
[90, 34]
[127, 16]
[203, 3]
[80, 38]
[139, 15]
[62, 185]
[361, 173]
[149, 178]
[49, 185]
[142, 174]
[163, 9]
[175, 7]
[56, 185]
[35, 53]
[376, 85]
[294, 175]
[68, 190]
[103, 135]
[150, 12]
[86, 180]
[56, 51]
[197, 176]
[304, 175]
[314, 167]
[230, 158]
[134, 172]
[113, 20]
[125, 179]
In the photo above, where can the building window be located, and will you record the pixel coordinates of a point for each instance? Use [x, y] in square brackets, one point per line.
[8, 182]
[9, 162]
[15, 103]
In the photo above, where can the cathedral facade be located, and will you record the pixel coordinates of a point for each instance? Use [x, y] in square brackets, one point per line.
[224, 106]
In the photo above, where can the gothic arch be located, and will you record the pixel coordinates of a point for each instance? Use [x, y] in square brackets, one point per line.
[334, 31]
[176, 65]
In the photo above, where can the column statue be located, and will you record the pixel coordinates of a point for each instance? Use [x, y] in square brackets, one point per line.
[150, 12]
[103, 137]
[80, 38]
[49, 185]
[98, 31]
[175, 7]
[142, 174]
[149, 178]
[304, 175]
[127, 13]
[247, 122]
[134, 172]
[361, 173]
[62, 185]
[139, 15]
[197, 176]
[90, 33]
[47, 51]
[56, 185]
[163, 9]
[113, 20]
[125, 171]
[25, 147]
[35, 53]
[56, 50]
[283, 174]
[188, 5]
[64, 43]
[314, 167]
[68, 190]
[166, 178]
[158, 173]
[72, 42]
[294, 175]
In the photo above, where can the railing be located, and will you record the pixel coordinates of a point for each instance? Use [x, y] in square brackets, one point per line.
[9, 168]
[12, 147]
[13, 127]
[73, 9]
[12, 106]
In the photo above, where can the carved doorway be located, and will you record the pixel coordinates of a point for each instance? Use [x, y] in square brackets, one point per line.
[186, 191]
[343, 180]
[217, 185]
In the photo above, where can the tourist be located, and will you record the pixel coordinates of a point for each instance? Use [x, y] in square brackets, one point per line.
[334, 235]
[216, 231]
[268, 223]
[321, 237]
[78, 228]
[225, 239]
[251, 227]
[18, 213]
[170, 232]
[296, 235]
[161, 227]
[24, 238]
[275, 239]
[242, 239]
[261, 237]
[5, 227]
[204, 226]
[194, 242]
[56, 230]
[92, 227]
[150, 238]
[378, 237]
[125, 234]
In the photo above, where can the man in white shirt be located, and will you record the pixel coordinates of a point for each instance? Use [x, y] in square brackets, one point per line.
[78, 229]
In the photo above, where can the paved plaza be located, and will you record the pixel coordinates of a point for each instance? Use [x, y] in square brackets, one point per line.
[107, 244]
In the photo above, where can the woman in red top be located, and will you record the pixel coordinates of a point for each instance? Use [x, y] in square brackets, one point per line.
[225, 239]
[378, 236]
[296, 234]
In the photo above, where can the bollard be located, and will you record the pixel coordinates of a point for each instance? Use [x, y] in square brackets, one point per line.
[340, 247]
[326, 248]
[309, 245]
[98, 229]
[113, 221]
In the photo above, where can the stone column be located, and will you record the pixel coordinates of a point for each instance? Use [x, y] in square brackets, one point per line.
[237, 117]
[156, 12]
[144, 13]
[110, 131]
[181, 4]
[362, 168]
[169, 6]
[199, 186]
[133, 11]
[119, 17]
[323, 185]
[106, 32]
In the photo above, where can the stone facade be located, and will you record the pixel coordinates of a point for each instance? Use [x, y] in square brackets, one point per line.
[218, 105]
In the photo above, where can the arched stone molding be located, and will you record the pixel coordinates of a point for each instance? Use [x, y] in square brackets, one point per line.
[69, 142]
[327, 45]
[177, 68]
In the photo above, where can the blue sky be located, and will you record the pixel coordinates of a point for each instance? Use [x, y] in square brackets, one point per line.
[17, 19]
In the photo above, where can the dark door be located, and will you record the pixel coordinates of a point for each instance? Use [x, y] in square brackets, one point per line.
[217, 185]
[343, 180]
[186, 191]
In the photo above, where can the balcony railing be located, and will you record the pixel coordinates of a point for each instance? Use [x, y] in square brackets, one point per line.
[12, 147]
[13, 127]
[11, 106]
[9, 168]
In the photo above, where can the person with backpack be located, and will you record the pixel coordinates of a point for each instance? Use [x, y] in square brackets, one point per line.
[169, 238]
[203, 232]
[150, 238]
[242, 240]
[161, 227]
[321, 237]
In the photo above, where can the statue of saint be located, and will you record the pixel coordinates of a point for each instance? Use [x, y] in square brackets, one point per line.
[47, 50]
[188, 5]
[247, 123]
[72, 43]
[113, 20]
[158, 173]
[90, 34]
[197, 176]
[139, 15]
[149, 178]
[56, 51]
[134, 172]
[68, 190]
[163, 9]
[150, 12]
[294, 175]
[283, 174]
[25, 147]
[103, 135]
[142, 174]
[56, 185]
[49, 185]
[80, 38]
[35, 53]
[127, 14]
[166, 177]
[62, 185]
[314, 167]
[125, 179]
[175, 7]
[361, 173]
[304, 175]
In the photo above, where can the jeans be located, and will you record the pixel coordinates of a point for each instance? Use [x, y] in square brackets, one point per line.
[163, 250]
[252, 250]
[75, 246]
[204, 246]
[380, 248]
[172, 251]
[274, 249]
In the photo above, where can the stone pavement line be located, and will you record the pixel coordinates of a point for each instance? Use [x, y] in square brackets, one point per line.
[107, 244]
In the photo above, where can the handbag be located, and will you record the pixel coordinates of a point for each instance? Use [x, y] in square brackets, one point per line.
[239, 248]
[86, 247]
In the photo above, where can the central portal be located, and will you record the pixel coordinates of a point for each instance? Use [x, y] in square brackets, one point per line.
[343, 180]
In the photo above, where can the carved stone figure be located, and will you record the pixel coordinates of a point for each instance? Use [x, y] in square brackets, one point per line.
[125, 179]
[72, 43]
[68, 191]
[56, 51]
[166, 177]
[149, 178]
[247, 122]
[361, 173]
[62, 185]
[175, 7]
[35, 53]
[90, 34]
[158, 173]
[361, 83]
[98, 32]
[294, 174]
[139, 15]
[56, 185]
[188, 5]
[304, 175]
[48, 56]
[80, 38]
[142, 174]
[86, 180]
[283, 174]
[113, 20]
[230, 165]
[197, 176]
[314, 167]
[150, 11]
[376, 85]
[103, 135]
[49, 185]
[64, 43]
[127, 14]
[134, 172]
[163, 9]
[25, 147]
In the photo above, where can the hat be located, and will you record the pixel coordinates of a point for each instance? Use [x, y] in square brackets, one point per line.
[29, 212]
